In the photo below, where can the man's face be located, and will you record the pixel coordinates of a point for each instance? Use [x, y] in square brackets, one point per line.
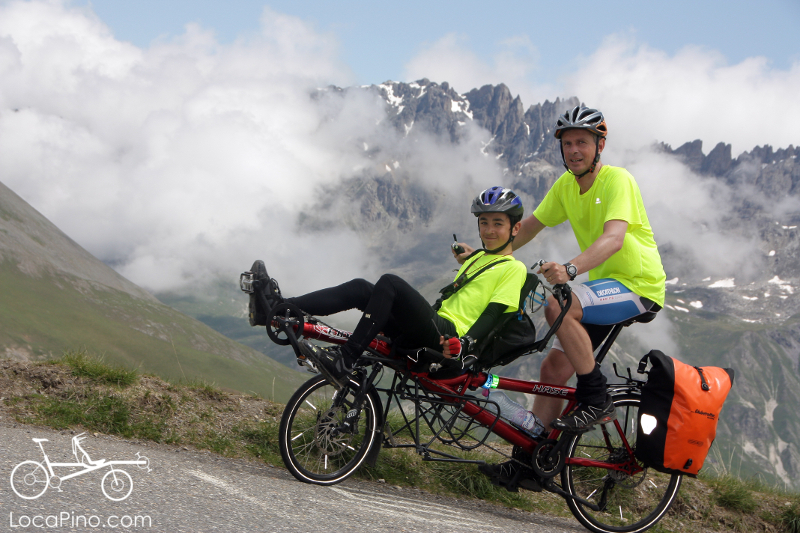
[579, 149]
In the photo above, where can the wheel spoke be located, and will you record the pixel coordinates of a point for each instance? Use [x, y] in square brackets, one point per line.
[628, 502]
[315, 445]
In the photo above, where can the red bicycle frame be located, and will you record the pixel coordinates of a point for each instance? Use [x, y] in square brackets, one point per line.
[458, 386]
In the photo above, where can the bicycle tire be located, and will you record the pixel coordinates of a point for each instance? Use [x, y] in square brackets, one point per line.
[29, 480]
[311, 448]
[117, 487]
[634, 503]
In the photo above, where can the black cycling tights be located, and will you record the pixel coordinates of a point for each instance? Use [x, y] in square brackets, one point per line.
[391, 306]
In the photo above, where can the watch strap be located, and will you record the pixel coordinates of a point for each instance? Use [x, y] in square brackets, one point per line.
[568, 267]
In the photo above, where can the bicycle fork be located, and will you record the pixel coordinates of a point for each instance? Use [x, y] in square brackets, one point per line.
[350, 423]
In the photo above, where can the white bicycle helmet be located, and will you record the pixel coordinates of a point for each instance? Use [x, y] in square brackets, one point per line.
[584, 118]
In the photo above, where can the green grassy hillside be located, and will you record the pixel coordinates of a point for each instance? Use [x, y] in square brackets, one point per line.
[55, 296]
[45, 315]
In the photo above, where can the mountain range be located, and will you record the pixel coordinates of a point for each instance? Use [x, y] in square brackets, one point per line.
[731, 259]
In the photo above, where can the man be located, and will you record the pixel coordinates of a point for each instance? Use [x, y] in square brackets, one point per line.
[604, 207]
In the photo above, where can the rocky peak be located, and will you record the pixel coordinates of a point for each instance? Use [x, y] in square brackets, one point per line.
[774, 173]
[426, 106]
[490, 105]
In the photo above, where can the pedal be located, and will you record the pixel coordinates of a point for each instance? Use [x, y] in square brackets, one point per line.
[246, 280]
[310, 367]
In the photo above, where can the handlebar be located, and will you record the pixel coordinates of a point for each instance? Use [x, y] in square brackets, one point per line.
[437, 360]
[562, 292]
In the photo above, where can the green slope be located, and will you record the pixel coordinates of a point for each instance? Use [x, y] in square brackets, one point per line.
[43, 316]
[56, 296]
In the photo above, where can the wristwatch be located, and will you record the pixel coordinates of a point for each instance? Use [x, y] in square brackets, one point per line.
[572, 271]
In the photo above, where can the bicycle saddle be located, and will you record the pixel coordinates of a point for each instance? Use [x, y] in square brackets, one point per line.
[644, 318]
[80, 454]
[37, 441]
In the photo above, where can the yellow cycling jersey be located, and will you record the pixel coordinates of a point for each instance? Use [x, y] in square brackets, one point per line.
[614, 195]
[500, 284]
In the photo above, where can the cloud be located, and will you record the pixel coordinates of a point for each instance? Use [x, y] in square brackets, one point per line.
[648, 95]
[687, 213]
[181, 161]
[187, 160]
[514, 63]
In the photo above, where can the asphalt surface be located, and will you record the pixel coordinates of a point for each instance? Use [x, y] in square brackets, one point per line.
[194, 491]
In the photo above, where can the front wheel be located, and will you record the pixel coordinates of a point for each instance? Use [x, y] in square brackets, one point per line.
[315, 446]
[117, 485]
[630, 501]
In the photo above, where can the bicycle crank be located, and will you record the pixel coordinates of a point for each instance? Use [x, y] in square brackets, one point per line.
[549, 458]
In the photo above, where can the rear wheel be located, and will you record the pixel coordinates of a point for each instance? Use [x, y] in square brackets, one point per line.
[29, 480]
[315, 446]
[630, 501]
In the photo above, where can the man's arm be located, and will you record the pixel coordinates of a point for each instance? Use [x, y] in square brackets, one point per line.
[609, 243]
[530, 228]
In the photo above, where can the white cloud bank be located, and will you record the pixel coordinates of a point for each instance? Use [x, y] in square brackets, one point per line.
[649, 95]
[646, 94]
[189, 159]
[180, 161]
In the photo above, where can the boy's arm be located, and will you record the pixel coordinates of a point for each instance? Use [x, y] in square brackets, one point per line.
[477, 331]
[481, 327]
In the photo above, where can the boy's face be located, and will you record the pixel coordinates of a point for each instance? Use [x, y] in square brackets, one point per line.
[495, 229]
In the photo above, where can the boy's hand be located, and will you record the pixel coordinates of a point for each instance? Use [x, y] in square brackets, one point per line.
[451, 347]
[461, 257]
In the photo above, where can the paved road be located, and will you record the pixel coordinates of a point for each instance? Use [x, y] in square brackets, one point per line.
[193, 491]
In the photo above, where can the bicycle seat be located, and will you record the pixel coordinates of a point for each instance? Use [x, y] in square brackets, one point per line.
[80, 454]
[644, 318]
[37, 441]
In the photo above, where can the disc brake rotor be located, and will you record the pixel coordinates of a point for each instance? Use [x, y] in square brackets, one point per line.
[328, 437]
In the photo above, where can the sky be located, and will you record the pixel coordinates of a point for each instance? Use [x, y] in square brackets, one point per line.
[380, 41]
[175, 140]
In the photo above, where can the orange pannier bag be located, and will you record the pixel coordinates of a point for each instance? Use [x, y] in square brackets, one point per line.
[678, 414]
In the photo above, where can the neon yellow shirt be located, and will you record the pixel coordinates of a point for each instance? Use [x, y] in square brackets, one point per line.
[500, 284]
[614, 195]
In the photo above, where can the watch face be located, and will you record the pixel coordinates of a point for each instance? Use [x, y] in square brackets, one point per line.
[572, 270]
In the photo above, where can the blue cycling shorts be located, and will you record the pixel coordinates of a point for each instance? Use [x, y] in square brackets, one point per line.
[607, 301]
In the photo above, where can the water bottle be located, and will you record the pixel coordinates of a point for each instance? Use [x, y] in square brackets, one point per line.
[513, 412]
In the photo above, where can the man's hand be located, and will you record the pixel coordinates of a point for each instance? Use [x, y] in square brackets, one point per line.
[461, 257]
[554, 273]
[451, 347]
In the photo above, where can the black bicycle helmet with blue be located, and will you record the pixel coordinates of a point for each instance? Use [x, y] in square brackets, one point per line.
[499, 200]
